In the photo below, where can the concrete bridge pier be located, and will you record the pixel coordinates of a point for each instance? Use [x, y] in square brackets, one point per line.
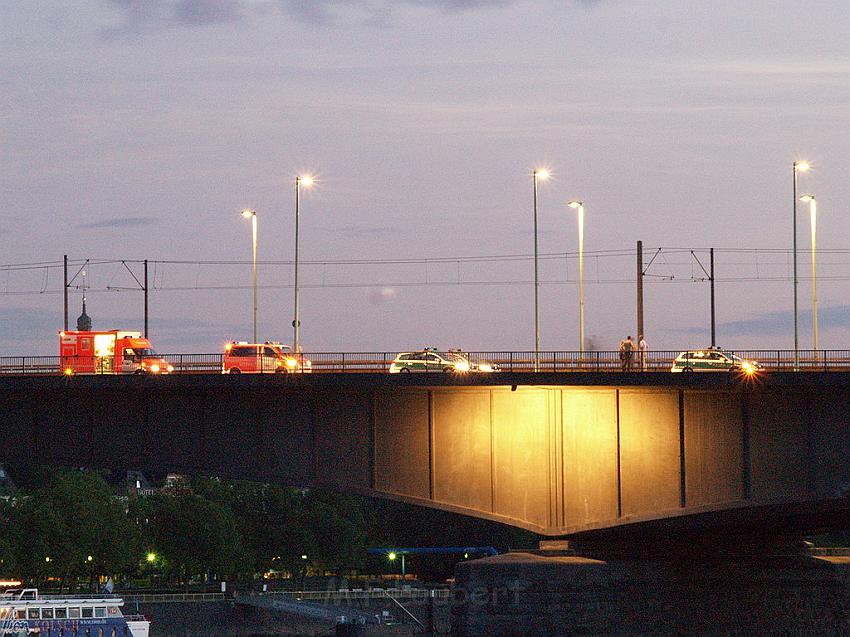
[748, 587]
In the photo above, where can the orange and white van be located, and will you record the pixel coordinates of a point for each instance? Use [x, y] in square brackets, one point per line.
[263, 358]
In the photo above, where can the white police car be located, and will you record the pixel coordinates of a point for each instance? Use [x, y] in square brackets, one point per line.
[713, 359]
[432, 360]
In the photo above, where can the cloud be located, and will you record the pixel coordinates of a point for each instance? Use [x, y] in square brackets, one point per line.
[21, 324]
[780, 323]
[120, 222]
[145, 15]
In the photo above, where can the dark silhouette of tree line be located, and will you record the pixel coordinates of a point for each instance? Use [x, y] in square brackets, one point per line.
[69, 528]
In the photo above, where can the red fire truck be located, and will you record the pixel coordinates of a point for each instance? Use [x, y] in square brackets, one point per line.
[112, 352]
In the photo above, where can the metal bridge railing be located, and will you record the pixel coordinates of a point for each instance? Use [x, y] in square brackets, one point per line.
[507, 361]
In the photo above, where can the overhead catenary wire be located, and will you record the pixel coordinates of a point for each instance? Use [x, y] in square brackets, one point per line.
[761, 271]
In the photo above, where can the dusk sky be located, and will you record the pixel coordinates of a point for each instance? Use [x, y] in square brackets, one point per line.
[135, 129]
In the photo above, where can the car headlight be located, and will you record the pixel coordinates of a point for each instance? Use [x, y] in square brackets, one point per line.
[170, 368]
[155, 368]
[462, 366]
[291, 363]
[485, 367]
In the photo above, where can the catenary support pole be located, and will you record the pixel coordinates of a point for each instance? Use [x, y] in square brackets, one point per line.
[65, 292]
[711, 278]
[147, 335]
[640, 331]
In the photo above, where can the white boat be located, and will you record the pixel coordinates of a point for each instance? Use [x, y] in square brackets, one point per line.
[23, 612]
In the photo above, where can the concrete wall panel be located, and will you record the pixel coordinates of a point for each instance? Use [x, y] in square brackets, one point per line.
[402, 445]
[590, 455]
[289, 430]
[462, 449]
[343, 439]
[830, 441]
[778, 423]
[714, 453]
[521, 454]
[649, 451]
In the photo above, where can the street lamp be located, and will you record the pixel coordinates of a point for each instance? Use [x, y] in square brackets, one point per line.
[801, 166]
[392, 556]
[813, 214]
[306, 181]
[539, 174]
[580, 206]
[252, 215]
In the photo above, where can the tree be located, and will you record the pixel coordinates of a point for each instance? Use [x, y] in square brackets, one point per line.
[192, 534]
[337, 522]
[73, 528]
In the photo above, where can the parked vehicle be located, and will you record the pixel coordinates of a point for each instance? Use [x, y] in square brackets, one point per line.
[713, 359]
[263, 358]
[431, 360]
[111, 352]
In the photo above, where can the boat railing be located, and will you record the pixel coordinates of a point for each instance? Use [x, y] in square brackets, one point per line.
[32, 595]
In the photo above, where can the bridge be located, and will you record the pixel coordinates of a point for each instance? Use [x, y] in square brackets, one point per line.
[577, 454]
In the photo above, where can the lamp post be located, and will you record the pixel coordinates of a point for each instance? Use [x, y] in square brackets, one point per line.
[813, 214]
[392, 556]
[539, 174]
[252, 215]
[801, 166]
[580, 207]
[305, 181]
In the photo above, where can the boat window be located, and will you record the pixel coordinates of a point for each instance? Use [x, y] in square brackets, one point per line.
[74, 613]
[47, 613]
[126, 630]
[61, 632]
[100, 611]
[112, 611]
[5, 613]
[61, 613]
[20, 614]
[32, 613]
[113, 632]
[88, 631]
[100, 632]
[88, 611]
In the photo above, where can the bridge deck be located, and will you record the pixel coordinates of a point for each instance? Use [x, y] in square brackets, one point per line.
[556, 453]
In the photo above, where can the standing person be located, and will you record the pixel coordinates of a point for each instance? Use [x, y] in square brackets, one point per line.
[624, 344]
[642, 349]
[631, 346]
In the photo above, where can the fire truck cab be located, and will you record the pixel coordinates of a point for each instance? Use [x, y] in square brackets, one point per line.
[262, 358]
[112, 352]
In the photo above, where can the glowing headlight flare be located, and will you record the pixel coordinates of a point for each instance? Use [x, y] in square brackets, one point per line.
[462, 366]
[291, 363]
[155, 368]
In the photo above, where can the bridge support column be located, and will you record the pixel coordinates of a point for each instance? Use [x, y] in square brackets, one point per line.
[724, 592]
